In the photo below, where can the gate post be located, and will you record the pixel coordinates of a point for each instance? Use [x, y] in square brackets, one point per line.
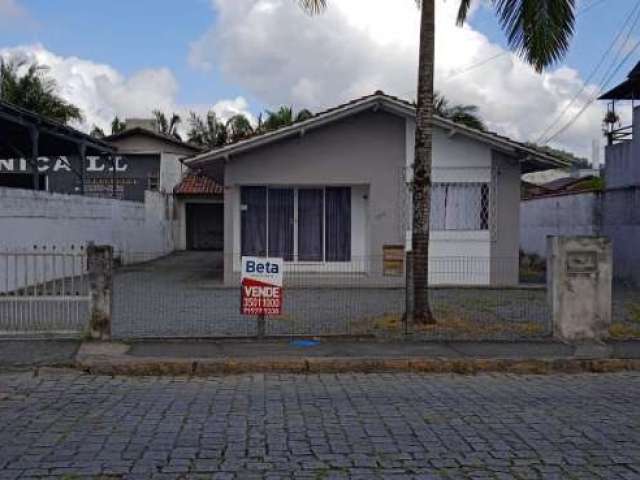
[579, 277]
[100, 268]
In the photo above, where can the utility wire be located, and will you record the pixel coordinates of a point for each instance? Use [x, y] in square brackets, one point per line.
[594, 98]
[607, 77]
[483, 62]
[603, 58]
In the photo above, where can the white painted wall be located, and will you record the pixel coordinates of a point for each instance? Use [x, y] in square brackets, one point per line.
[67, 223]
[455, 159]
[171, 171]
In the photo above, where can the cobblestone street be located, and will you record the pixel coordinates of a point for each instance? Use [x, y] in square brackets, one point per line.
[396, 426]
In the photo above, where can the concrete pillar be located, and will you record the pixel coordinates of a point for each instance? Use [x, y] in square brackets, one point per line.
[579, 278]
[100, 267]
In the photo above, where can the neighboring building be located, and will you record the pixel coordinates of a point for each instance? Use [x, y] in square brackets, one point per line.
[561, 186]
[145, 160]
[332, 194]
[148, 160]
[613, 210]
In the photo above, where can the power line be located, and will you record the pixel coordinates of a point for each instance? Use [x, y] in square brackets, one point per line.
[480, 63]
[594, 98]
[603, 58]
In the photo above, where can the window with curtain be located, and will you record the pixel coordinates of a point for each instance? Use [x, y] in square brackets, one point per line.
[304, 224]
[460, 206]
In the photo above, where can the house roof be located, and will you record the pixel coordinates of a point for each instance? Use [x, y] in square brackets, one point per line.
[54, 138]
[534, 158]
[561, 186]
[132, 132]
[627, 90]
[193, 184]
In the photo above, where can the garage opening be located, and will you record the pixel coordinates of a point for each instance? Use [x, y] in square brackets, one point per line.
[205, 226]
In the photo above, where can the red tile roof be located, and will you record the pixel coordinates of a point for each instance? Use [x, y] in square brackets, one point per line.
[198, 185]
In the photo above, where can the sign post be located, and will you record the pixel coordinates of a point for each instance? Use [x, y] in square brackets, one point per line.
[261, 286]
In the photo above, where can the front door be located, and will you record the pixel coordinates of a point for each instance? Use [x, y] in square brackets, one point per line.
[205, 226]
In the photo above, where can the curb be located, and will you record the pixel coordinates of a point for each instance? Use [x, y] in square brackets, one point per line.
[210, 367]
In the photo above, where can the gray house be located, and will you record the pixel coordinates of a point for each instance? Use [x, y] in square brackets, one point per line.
[331, 194]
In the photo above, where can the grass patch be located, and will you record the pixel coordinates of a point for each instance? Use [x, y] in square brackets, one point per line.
[449, 323]
[620, 330]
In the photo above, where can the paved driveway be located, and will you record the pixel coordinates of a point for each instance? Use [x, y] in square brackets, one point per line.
[182, 296]
[392, 426]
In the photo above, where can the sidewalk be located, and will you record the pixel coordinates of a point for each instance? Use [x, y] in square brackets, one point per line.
[335, 356]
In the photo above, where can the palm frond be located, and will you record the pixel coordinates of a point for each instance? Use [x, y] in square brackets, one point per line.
[313, 7]
[463, 11]
[539, 30]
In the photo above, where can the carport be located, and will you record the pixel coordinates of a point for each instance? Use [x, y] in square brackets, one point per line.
[28, 135]
[200, 203]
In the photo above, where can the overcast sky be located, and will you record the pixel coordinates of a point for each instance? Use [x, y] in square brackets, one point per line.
[128, 57]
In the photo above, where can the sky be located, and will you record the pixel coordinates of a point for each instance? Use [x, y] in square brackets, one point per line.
[127, 58]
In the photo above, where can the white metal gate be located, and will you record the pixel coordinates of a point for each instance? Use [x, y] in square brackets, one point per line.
[44, 293]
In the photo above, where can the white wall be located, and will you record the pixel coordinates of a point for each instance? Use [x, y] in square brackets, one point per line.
[171, 171]
[455, 159]
[557, 215]
[44, 220]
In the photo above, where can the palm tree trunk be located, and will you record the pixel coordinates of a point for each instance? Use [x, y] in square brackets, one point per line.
[422, 167]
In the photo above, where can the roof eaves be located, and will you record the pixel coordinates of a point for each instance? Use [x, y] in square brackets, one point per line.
[386, 102]
[318, 120]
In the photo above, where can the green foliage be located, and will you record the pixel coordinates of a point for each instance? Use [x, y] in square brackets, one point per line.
[28, 86]
[540, 31]
[209, 132]
[463, 114]
[239, 127]
[564, 155]
[168, 126]
[117, 126]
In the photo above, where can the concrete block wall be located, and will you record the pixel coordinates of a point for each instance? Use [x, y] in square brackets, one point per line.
[41, 221]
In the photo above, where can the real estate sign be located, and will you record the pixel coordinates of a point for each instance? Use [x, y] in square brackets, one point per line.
[261, 286]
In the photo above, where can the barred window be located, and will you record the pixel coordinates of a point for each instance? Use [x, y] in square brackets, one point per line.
[460, 206]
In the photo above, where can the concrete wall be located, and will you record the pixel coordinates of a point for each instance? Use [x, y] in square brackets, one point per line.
[621, 223]
[614, 214]
[136, 231]
[567, 215]
[622, 167]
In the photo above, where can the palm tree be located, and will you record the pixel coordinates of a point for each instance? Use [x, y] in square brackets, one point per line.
[166, 126]
[239, 128]
[278, 119]
[210, 133]
[117, 126]
[538, 30]
[34, 90]
[463, 114]
[282, 117]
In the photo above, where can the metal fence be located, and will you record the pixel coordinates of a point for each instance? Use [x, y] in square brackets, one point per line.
[189, 295]
[43, 293]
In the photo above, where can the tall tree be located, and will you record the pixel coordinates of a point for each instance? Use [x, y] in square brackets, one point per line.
[28, 86]
[168, 126]
[117, 126]
[464, 114]
[282, 117]
[210, 132]
[239, 127]
[538, 30]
